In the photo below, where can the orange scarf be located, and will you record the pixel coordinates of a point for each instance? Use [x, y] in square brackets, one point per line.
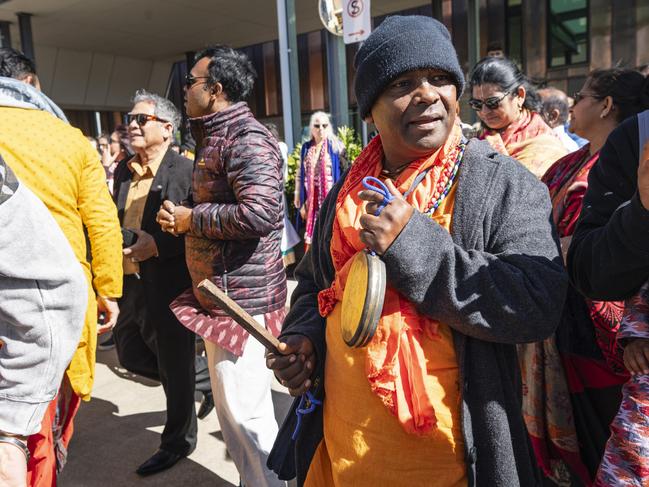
[395, 363]
[529, 140]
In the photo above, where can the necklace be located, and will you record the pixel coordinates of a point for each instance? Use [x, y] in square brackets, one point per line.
[446, 178]
[394, 173]
[450, 168]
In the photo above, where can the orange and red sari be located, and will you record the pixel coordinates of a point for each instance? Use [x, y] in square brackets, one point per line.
[573, 378]
[529, 140]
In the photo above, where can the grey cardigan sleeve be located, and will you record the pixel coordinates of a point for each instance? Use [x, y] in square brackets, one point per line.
[44, 298]
[509, 289]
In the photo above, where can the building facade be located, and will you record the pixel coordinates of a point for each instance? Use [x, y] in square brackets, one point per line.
[92, 55]
[556, 42]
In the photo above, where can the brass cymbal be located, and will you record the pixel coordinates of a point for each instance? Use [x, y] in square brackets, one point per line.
[363, 299]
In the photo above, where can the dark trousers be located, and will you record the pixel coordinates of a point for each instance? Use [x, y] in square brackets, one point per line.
[152, 343]
[202, 375]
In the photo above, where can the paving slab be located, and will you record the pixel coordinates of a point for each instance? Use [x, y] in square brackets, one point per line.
[120, 428]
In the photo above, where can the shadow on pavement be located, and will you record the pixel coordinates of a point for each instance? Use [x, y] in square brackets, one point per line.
[109, 358]
[108, 448]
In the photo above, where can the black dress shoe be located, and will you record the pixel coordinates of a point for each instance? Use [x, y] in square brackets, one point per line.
[161, 460]
[206, 406]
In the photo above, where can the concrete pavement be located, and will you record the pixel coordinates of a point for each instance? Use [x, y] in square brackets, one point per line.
[120, 428]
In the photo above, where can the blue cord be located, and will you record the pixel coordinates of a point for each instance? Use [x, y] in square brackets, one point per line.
[374, 184]
[307, 405]
[308, 402]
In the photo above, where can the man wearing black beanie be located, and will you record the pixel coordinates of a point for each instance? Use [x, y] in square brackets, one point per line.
[472, 268]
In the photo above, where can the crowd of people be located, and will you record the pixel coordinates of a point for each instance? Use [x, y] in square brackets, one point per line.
[509, 343]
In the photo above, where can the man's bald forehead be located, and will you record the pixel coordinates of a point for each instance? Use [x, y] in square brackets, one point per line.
[551, 91]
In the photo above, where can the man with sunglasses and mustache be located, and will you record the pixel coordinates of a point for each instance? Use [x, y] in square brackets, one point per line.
[233, 235]
[149, 340]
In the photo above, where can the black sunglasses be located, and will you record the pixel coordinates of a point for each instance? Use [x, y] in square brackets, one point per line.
[578, 96]
[190, 80]
[143, 118]
[318, 125]
[491, 103]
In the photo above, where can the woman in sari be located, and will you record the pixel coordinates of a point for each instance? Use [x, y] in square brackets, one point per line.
[508, 106]
[320, 168]
[586, 371]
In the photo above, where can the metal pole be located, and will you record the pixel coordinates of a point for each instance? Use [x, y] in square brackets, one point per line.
[473, 21]
[437, 10]
[5, 37]
[26, 38]
[337, 75]
[98, 123]
[289, 72]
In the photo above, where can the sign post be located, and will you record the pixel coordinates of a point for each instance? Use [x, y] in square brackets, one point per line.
[357, 21]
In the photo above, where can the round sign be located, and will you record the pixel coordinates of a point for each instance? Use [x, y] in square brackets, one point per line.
[331, 15]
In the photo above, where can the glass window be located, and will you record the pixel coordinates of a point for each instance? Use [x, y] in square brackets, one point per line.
[567, 32]
[514, 27]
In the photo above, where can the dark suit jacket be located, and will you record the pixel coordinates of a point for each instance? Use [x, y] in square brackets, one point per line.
[165, 276]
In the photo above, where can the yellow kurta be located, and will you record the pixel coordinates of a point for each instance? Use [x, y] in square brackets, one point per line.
[364, 444]
[58, 164]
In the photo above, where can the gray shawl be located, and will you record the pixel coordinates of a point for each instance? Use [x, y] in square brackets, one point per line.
[17, 94]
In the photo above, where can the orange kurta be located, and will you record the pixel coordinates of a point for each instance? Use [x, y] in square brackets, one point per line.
[364, 444]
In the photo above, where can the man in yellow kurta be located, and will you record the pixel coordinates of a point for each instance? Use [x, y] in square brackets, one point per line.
[56, 162]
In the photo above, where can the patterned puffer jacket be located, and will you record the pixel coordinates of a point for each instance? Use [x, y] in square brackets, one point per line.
[237, 218]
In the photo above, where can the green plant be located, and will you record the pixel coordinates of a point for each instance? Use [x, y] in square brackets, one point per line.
[352, 143]
[293, 166]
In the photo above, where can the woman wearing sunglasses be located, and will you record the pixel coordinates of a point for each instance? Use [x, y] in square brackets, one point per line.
[321, 162]
[508, 106]
[586, 341]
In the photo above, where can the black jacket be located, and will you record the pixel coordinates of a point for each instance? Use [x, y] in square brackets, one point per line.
[608, 259]
[497, 280]
[166, 274]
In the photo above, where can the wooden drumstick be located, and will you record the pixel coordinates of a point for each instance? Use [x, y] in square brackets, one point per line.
[238, 314]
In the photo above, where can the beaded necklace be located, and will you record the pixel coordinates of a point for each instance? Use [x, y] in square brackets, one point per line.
[446, 178]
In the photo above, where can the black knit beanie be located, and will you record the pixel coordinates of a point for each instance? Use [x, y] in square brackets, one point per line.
[398, 45]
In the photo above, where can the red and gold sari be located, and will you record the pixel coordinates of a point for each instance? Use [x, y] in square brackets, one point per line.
[563, 375]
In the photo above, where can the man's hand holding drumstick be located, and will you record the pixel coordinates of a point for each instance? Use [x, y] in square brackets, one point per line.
[295, 364]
